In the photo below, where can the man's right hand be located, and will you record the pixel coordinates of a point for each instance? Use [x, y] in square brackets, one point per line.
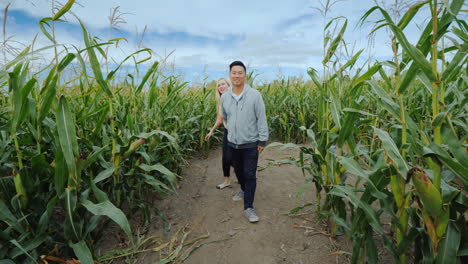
[260, 149]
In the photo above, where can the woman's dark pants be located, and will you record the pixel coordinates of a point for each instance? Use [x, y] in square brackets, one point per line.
[226, 160]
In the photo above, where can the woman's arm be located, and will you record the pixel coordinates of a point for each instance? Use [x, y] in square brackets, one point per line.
[219, 121]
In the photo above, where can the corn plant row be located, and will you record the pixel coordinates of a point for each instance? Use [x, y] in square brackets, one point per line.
[78, 154]
[389, 141]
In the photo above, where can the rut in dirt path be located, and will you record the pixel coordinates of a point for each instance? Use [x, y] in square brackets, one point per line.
[272, 240]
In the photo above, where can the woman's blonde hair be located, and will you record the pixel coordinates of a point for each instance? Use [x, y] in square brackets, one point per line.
[218, 94]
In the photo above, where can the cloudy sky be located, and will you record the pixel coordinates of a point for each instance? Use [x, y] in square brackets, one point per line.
[276, 38]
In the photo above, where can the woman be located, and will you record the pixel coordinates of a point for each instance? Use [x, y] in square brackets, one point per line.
[222, 86]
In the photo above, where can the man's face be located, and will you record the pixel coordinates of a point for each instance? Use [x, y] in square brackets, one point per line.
[237, 75]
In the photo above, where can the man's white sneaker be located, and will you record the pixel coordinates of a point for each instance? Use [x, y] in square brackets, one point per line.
[239, 196]
[251, 215]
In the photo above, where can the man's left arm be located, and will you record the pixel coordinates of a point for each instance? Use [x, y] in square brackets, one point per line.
[262, 124]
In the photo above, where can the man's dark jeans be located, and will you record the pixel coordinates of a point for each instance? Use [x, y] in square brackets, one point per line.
[245, 163]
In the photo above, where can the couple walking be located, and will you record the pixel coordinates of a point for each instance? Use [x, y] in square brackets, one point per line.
[241, 110]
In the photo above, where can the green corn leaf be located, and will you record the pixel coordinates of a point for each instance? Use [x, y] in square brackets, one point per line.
[454, 145]
[313, 75]
[47, 99]
[303, 187]
[61, 170]
[340, 221]
[108, 209]
[70, 200]
[371, 248]
[156, 132]
[417, 56]
[99, 194]
[353, 167]
[385, 76]
[92, 111]
[349, 125]
[335, 110]
[345, 192]
[20, 99]
[409, 15]
[170, 176]
[25, 55]
[66, 61]
[95, 62]
[44, 220]
[311, 135]
[7, 217]
[349, 64]
[393, 152]
[425, 41]
[298, 208]
[63, 10]
[448, 247]
[100, 122]
[358, 244]
[366, 15]
[92, 224]
[104, 175]
[82, 252]
[449, 15]
[67, 137]
[93, 157]
[442, 222]
[153, 92]
[22, 249]
[387, 102]
[367, 75]
[460, 170]
[150, 71]
[354, 110]
[408, 240]
[43, 22]
[334, 44]
[114, 71]
[158, 185]
[439, 119]
[457, 64]
[29, 246]
[409, 76]
[98, 46]
[463, 249]
[460, 32]
[84, 74]
[425, 81]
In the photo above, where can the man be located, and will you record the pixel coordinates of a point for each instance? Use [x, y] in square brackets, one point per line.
[244, 112]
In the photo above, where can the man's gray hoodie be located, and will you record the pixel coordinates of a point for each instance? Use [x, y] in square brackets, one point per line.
[245, 119]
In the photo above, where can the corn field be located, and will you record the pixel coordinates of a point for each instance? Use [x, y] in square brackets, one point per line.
[383, 141]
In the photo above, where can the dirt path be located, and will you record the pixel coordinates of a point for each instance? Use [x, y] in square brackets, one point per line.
[272, 240]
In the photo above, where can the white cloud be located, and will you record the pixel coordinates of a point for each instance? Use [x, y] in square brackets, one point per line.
[205, 18]
[264, 33]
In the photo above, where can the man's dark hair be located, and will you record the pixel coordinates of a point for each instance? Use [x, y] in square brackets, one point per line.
[237, 63]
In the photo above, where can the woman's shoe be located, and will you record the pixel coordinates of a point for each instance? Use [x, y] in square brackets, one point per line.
[223, 185]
